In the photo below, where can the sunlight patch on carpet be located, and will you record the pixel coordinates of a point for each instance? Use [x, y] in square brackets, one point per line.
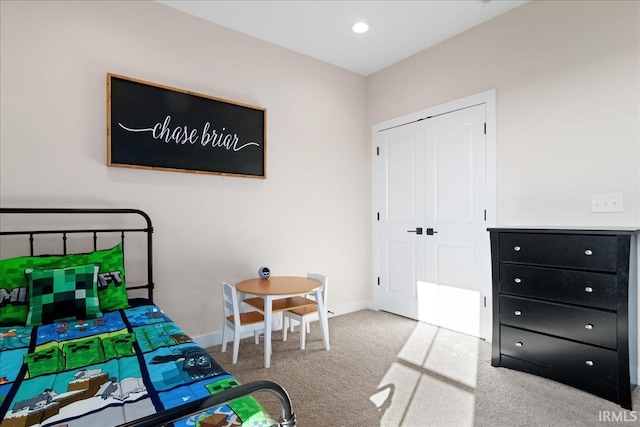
[432, 380]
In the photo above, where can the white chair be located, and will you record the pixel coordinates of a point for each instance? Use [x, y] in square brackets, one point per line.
[305, 315]
[238, 322]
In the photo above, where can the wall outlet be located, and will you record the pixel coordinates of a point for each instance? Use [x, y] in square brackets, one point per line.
[606, 203]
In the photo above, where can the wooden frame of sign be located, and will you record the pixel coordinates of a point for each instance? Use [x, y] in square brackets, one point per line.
[152, 126]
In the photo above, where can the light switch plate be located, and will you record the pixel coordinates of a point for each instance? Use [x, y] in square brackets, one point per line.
[606, 203]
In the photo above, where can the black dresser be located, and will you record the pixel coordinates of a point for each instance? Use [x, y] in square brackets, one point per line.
[565, 306]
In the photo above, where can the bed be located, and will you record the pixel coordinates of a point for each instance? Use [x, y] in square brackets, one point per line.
[82, 343]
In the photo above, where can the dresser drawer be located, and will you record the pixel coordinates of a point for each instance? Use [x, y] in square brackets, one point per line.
[568, 286]
[579, 359]
[592, 252]
[580, 324]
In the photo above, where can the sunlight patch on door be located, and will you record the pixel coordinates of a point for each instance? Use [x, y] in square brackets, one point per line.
[449, 307]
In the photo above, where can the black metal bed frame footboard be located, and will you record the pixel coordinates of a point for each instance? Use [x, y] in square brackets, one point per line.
[170, 415]
[149, 286]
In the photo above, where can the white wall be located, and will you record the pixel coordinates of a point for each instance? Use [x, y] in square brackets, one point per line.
[567, 80]
[311, 213]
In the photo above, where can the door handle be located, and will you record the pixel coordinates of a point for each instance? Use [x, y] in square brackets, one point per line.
[431, 232]
[418, 230]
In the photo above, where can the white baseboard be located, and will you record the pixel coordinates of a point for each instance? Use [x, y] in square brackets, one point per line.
[215, 338]
[209, 340]
[339, 309]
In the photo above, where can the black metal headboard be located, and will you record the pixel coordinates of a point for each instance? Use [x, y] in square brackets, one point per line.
[92, 232]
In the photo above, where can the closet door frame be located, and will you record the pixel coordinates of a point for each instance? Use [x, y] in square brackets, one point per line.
[488, 98]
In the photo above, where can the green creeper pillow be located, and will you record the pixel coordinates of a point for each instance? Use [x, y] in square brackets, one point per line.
[62, 294]
[112, 288]
[14, 303]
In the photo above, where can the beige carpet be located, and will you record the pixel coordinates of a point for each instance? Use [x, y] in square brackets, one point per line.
[386, 370]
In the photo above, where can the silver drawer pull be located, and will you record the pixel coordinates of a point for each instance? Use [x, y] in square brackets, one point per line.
[588, 252]
[517, 280]
[589, 362]
[516, 248]
[517, 313]
[588, 289]
[588, 326]
[519, 344]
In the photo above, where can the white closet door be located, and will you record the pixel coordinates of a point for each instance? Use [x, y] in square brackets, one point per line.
[432, 178]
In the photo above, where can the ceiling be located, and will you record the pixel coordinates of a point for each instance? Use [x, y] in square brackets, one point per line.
[321, 29]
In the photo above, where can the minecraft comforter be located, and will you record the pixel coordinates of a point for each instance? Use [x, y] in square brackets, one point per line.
[122, 366]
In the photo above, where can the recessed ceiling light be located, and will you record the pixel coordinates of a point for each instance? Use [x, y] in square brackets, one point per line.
[360, 27]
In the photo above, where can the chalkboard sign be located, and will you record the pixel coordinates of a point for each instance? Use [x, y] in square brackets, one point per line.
[152, 126]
